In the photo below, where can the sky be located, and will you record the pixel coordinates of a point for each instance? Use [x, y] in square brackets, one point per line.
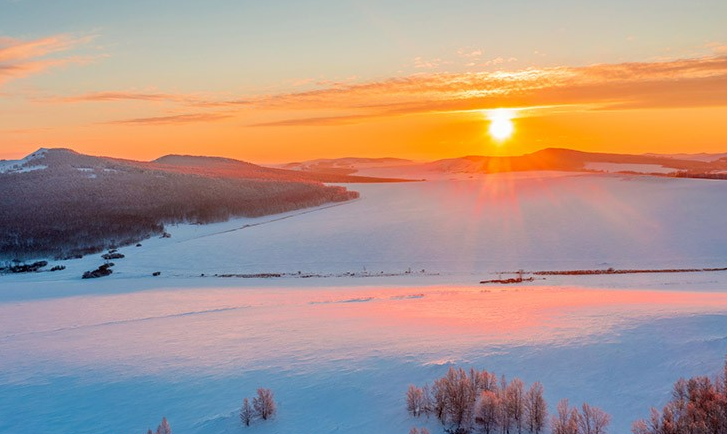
[279, 81]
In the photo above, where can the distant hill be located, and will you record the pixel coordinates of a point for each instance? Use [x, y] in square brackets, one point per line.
[702, 156]
[345, 165]
[552, 159]
[226, 167]
[569, 160]
[57, 202]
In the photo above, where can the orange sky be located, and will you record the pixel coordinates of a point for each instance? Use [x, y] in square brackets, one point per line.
[117, 91]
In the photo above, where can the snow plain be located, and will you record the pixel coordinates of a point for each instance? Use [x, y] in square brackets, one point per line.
[114, 355]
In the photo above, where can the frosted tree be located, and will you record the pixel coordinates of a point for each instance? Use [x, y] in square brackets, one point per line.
[566, 421]
[505, 416]
[488, 381]
[264, 404]
[428, 397]
[593, 420]
[698, 406]
[164, 427]
[415, 400]
[536, 409]
[460, 400]
[487, 414]
[246, 412]
[514, 404]
[438, 398]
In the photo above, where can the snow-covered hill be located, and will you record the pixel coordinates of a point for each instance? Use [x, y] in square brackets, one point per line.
[27, 164]
[553, 159]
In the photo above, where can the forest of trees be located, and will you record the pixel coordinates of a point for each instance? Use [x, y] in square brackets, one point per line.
[62, 211]
[477, 402]
[698, 406]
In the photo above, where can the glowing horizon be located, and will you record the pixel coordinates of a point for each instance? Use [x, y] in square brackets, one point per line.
[255, 82]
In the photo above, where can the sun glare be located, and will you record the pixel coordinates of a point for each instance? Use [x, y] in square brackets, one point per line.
[501, 126]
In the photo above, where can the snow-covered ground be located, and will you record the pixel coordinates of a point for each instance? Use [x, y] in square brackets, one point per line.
[114, 355]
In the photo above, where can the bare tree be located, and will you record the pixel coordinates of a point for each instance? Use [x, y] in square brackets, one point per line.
[488, 381]
[439, 398]
[415, 400]
[566, 421]
[428, 404]
[460, 400]
[164, 427]
[246, 412]
[536, 409]
[698, 406]
[514, 404]
[593, 420]
[487, 415]
[264, 404]
[650, 427]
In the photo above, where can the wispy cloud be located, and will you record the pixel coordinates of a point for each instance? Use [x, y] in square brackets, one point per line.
[20, 58]
[421, 63]
[676, 83]
[123, 96]
[688, 82]
[316, 121]
[173, 119]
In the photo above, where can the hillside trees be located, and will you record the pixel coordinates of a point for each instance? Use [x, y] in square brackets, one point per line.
[61, 212]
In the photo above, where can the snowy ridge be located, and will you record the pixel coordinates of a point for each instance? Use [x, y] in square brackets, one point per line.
[24, 164]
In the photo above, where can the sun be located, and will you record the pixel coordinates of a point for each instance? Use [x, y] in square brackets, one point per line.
[501, 126]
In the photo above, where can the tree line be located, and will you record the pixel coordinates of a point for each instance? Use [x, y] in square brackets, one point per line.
[466, 402]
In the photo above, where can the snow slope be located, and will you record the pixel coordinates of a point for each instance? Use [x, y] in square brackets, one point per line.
[25, 164]
[114, 355]
[338, 359]
[486, 224]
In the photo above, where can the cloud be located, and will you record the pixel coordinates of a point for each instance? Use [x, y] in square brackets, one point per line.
[122, 96]
[677, 83]
[691, 82]
[717, 48]
[173, 119]
[21, 58]
[421, 63]
[474, 54]
[316, 121]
